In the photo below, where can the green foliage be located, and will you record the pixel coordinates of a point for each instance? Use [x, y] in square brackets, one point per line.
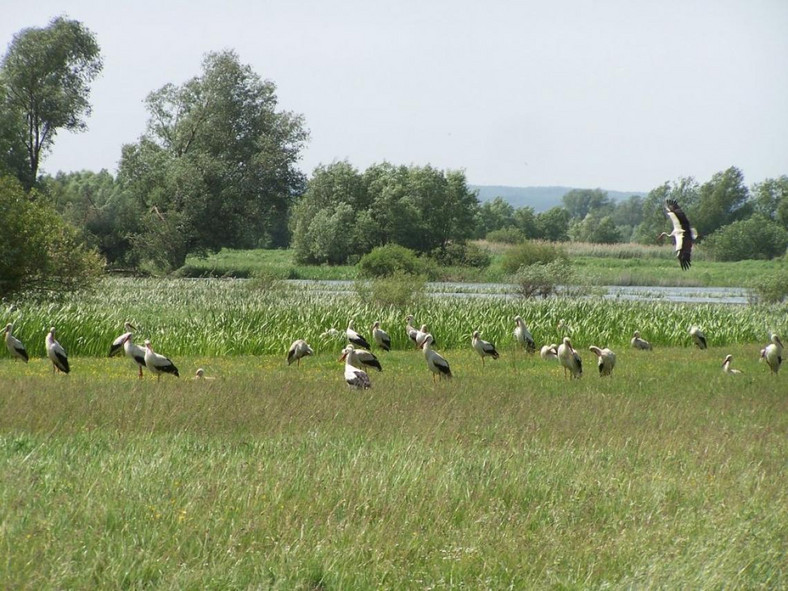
[461, 254]
[592, 228]
[391, 259]
[399, 290]
[218, 162]
[580, 202]
[542, 279]
[721, 201]
[771, 199]
[45, 81]
[754, 238]
[494, 215]
[553, 224]
[531, 252]
[39, 252]
[506, 236]
[772, 288]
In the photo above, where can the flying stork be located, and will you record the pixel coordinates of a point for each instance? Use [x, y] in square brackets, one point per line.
[683, 234]
[437, 364]
[355, 378]
[523, 336]
[56, 353]
[14, 345]
[569, 359]
[297, 350]
[381, 337]
[606, 360]
[483, 348]
[698, 337]
[158, 364]
[726, 366]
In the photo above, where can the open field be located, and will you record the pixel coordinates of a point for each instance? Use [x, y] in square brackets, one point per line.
[669, 475]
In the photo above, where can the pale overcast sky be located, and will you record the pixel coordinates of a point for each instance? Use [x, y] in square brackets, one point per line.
[618, 94]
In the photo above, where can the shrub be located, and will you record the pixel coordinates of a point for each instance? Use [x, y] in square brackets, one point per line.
[390, 259]
[506, 235]
[542, 279]
[399, 289]
[772, 288]
[531, 253]
[463, 255]
[755, 238]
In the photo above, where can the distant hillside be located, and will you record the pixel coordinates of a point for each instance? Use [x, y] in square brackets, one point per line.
[540, 198]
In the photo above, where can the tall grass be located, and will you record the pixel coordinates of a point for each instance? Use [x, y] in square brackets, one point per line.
[231, 317]
[278, 477]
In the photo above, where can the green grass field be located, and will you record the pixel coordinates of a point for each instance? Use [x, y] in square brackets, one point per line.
[670, 474]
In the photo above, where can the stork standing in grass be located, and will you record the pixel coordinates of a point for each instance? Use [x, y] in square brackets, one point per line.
[726, 366]
[570, 359]
[606, 360]
[134, 352]
[117, 344]
[56, 353]
[437, 364]
[412, 332]
[483, 348]
[381, 337]
[354, 338]
[549, 352]
[523, 336]
[14, 345]
[639, 343]
[698, 337]
[300, 348]
[683, 234]
[355, 377]
[773, 354]
[361, 358]
[158, 364]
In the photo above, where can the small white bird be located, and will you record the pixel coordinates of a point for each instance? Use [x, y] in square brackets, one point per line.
[523, 336]
[726, 365]
[200, 375]
[436, 364]
[773, 354]
[117, 344]
[639, 343]
[381, 337]
[361, 358]
[698, 337]
[355, 377]
[354, 338]
[606, 360]
[569, 359]
[549, 352]
[56, 353]
[297, 350]
[158, 364]
[483, 348]
[14, 345]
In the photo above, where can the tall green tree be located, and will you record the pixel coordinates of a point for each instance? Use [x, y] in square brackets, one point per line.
[721, 201]
[45, 79]
[494, 215]
[771, 199]
[580, 202]
[217, 164]
[553, 224]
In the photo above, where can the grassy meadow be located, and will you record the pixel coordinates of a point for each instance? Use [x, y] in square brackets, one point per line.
[669, 474]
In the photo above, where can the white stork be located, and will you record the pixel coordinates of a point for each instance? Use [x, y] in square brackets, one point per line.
[117, 344]
[56, 353]
[683, 234]
[569, 359]
[411, 331]
[361, 357]
[726, 366]
[200, 375]
[381, 337]
[354, 338]
[606, 360]
[421, 334]
[773, 354]
[639, 343]
[698, 337]
[437, 364]
[14, 345]
[355, 377]
[483, 348]
[523, 336]
[549, 352]
[158, 364]
[134, 352]
[297, 350]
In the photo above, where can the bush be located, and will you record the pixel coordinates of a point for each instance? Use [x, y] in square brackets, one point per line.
[506, 236]
[399, 289]
[772, 288]
[387, 260]
[542, 279]
[755, 238]
[462, 255]
[531, 253]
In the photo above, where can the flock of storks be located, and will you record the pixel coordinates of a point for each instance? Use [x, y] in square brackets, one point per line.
[357, 355]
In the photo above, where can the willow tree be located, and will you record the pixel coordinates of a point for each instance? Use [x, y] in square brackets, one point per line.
[45, 79]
